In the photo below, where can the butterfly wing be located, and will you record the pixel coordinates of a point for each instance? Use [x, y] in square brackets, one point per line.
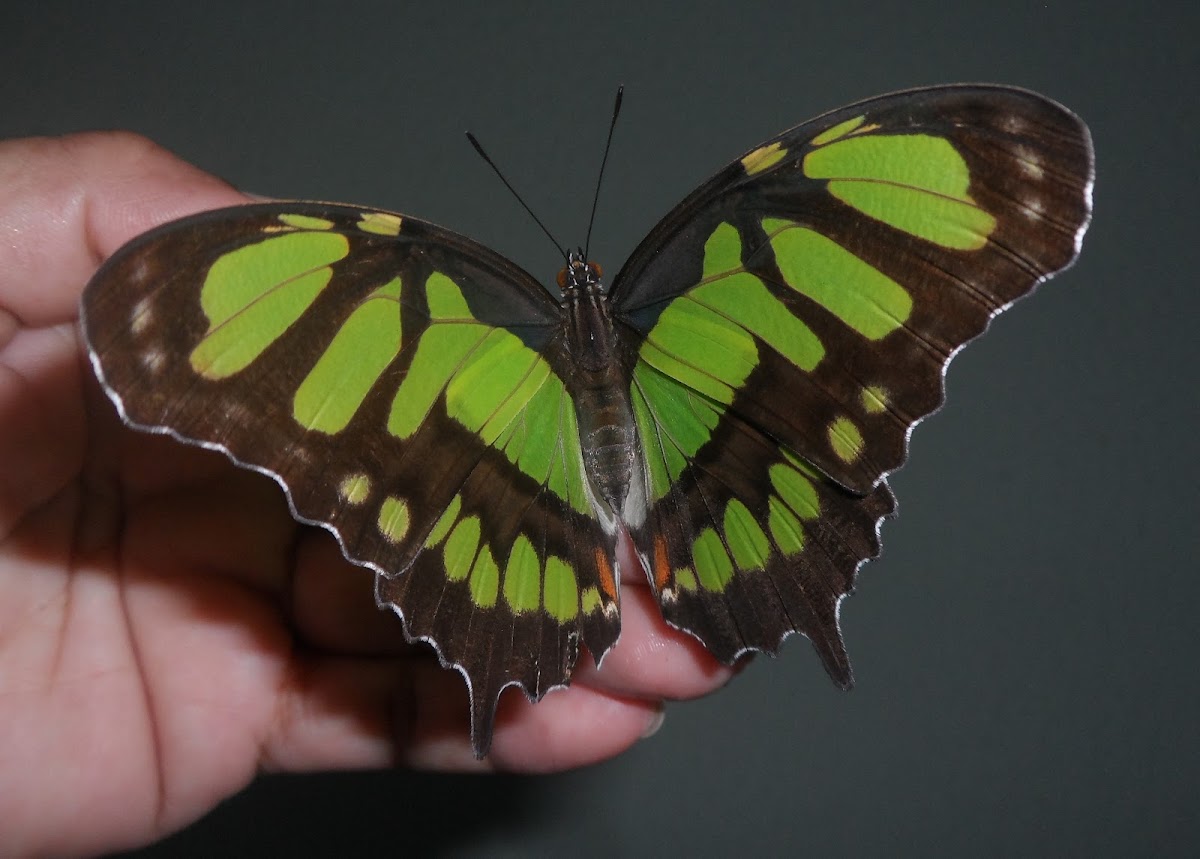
[793, 320]
[393, 377]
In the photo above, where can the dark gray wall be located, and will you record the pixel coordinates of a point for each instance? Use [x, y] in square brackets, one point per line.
[1026, 647]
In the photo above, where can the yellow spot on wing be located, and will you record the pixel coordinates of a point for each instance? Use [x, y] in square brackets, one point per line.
[380, 223]
[355, 488]
[305, 222]
[864, 129]
[763, 157]
[839, 130]
[874, 400]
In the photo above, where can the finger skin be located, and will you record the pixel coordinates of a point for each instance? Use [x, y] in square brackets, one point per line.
[66, 203]
[78, 764]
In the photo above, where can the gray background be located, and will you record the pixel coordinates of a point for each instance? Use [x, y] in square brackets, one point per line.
[1026, 647]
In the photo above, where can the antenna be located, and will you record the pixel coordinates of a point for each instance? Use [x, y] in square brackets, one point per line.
[507, 184]
[608, 145]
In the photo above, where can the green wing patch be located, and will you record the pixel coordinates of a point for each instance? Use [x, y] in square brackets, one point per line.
[916, 183]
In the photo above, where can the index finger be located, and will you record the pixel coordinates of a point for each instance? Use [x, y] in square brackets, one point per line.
[66, 203]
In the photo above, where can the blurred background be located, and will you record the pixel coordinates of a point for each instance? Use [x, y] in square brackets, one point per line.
[1025, 648]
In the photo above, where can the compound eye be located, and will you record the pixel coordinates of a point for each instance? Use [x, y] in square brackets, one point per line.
[562, 279]
[596, 270]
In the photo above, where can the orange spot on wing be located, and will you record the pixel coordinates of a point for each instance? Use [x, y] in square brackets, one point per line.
[607, 584]
[662, 568]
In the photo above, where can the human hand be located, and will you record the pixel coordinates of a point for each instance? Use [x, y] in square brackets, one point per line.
[166, 629]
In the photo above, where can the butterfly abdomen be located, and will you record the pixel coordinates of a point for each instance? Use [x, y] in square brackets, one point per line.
[608, 440]
[599, 385]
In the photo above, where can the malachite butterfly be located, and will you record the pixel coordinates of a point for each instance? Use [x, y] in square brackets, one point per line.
[732, 405]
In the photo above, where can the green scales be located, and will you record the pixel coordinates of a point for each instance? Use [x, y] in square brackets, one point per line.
[732, 404]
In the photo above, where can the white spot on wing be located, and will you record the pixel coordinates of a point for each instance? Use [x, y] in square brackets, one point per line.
[140, 272]
[237, 415]
[636, 507]
[1013, 124]
[141, 317]
[1030, 164]
[153, 360]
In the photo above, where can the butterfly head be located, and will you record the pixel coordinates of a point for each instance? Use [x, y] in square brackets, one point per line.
[580, 276]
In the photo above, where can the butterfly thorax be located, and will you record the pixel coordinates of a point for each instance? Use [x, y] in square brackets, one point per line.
[599, 385]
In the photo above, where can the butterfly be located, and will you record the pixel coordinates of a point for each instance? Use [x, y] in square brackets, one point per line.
[731, 405]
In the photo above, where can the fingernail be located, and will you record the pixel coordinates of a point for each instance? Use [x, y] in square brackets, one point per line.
[655, 723]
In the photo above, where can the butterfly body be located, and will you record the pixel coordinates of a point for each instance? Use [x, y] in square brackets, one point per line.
[598, 381]
[732, 404]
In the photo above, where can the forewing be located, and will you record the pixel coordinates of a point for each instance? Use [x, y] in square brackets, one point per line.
[392, 377]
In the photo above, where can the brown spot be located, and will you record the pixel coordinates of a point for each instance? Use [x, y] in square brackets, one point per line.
[607, 585]
[662, 568]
